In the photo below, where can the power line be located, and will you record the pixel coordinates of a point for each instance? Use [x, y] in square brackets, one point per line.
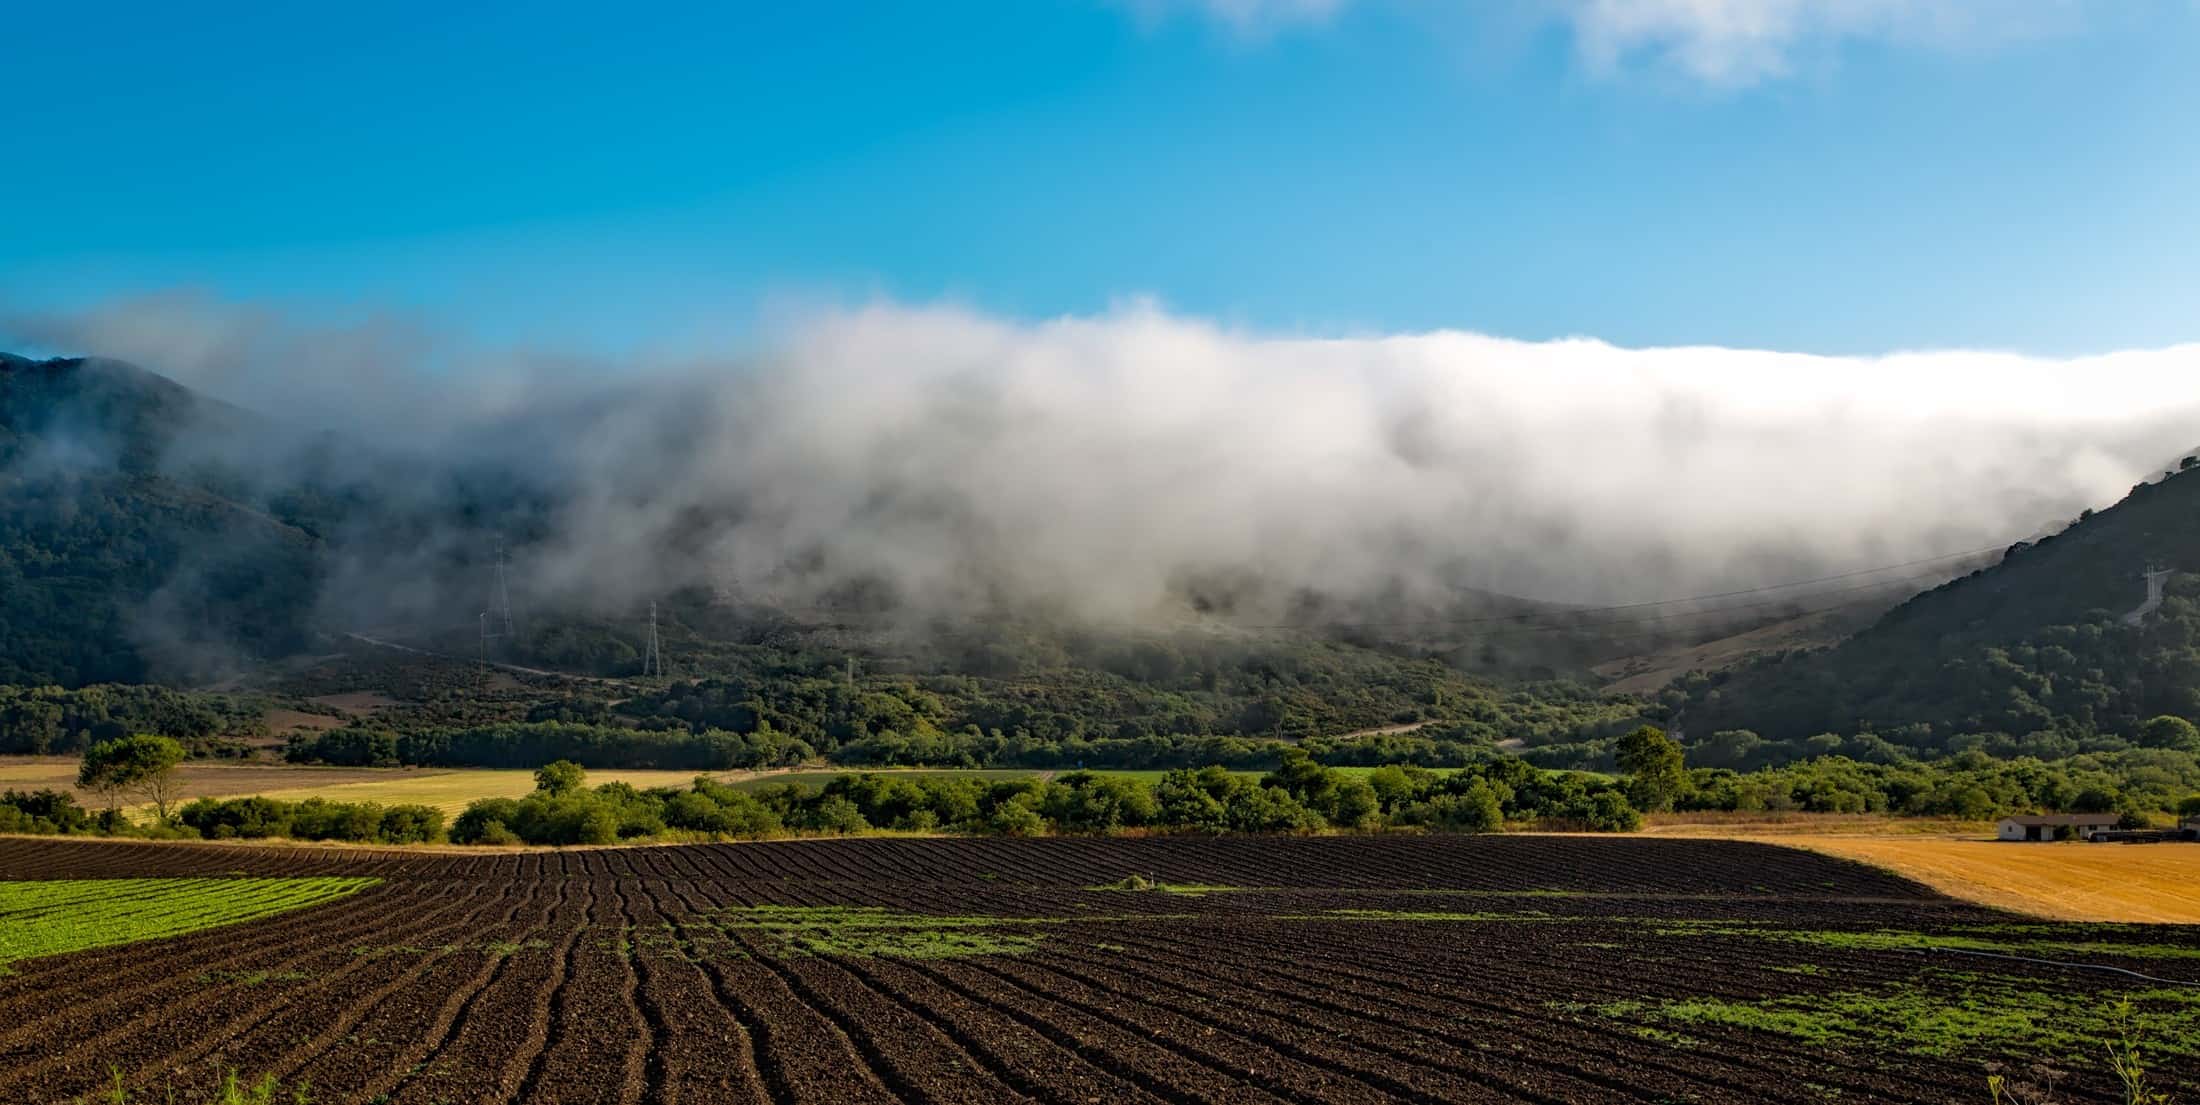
[1562, 626]
[1630, 605]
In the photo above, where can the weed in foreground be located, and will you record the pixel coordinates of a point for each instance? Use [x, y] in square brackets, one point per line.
[232, 1090]
[2124, 1061]
[1971, 1014]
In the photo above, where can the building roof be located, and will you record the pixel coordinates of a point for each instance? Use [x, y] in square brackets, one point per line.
[2066, 819]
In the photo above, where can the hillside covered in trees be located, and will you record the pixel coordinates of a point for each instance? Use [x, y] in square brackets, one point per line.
[144, 538]
[120, 558]
[2033, 655]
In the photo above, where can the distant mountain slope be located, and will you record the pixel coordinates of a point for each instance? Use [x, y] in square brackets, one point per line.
[2034, 644]
[119, 560]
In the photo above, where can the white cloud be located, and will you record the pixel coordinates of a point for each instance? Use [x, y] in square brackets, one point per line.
[1093, 464]
[1745, 41]
[1719, 42]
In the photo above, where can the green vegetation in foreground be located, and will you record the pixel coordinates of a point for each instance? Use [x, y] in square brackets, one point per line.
[866, 931]
[233, 1090]
[55, 916]
[1973, 1014]
[2024, 940]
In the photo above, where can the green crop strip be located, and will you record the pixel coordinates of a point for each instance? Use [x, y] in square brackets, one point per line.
[1976, 1015]
[56, 916]
[867, 931]
[2020, 940]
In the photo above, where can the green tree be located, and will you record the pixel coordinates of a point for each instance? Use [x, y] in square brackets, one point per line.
[560, 777]
[2170, 732]
[2190, 807]
[1610, 813]
[1355, 805]
[1017, 819]
[1653, 765]
[141, 764]
[1185, 799]
[1476, 809]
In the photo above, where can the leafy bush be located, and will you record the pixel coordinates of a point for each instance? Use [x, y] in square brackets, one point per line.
[312, 819]
[42, 811]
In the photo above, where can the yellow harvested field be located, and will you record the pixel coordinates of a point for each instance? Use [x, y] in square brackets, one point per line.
[2157, 883]
[447, 789]
[451, 791]
[199, 778]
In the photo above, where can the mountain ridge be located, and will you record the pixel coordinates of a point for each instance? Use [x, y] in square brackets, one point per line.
[2033, 645]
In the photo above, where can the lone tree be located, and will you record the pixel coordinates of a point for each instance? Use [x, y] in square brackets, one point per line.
[1652, 762]
[560, 777]
[143, 765]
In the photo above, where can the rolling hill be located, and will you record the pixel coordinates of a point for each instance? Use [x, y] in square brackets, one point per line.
[121, 558]
[2039, 649]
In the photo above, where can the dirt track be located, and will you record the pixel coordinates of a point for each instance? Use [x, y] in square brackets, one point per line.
[630, 975]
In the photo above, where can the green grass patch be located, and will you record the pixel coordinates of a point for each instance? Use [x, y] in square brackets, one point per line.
[1966, 1014]
[51, 917]
[2032, 946]
[867, 931]
[2022, 940]
[1142, 883]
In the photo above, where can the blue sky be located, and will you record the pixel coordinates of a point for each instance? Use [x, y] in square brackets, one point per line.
[1837, 179]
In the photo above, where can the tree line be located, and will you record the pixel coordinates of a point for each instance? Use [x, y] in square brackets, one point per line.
[1300, 796]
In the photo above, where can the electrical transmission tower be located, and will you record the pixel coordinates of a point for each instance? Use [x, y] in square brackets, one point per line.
[503, 597]
[499, 611]
[653, 656]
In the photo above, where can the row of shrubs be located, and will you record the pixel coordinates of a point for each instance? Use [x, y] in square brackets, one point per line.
[1300, 796]
[312, 819]
[57, 812]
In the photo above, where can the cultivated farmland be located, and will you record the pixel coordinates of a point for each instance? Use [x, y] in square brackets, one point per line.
[1334, 969]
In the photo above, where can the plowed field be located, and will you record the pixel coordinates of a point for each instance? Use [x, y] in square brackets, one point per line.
[1473, 969]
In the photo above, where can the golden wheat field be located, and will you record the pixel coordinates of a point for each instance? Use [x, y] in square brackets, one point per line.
[2155, 883]
[448, 790]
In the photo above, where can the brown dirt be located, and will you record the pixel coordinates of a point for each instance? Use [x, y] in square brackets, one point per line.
[282, 723]
[618, 975]
[357, 703]
[1650, 672]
